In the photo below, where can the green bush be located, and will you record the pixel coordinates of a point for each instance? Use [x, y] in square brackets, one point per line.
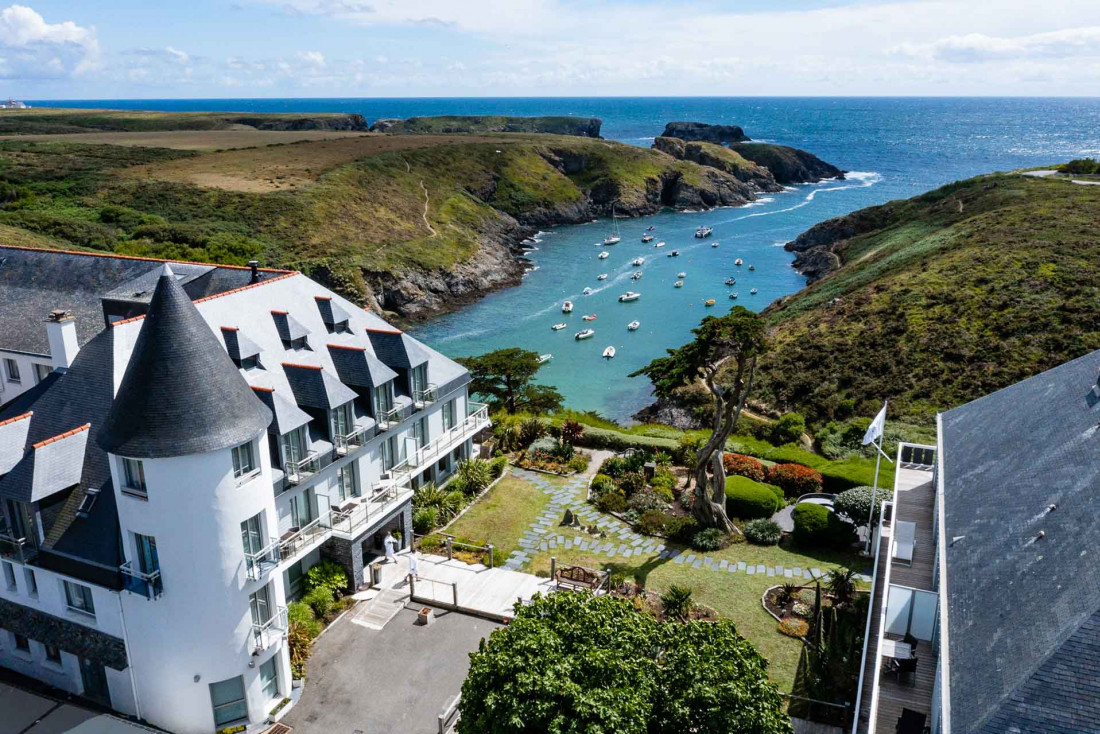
[710, 539]
[663, 479]
[546, 444]
[763, 532]
[665, 493]
[601, 438]
[326, 575]
[855, 504]
[425, 519]
[749, 500]
[676, 602]
[601, 483]
[788, 429]
[578, 463]
[681, 529]
[646, 499]
[320, 601]
[814, 525]
[614, 467]
[475, 475]
[632, 482]
[530, 430]
[611, 502]
[497, 466]
[300, 614]
[651, 522]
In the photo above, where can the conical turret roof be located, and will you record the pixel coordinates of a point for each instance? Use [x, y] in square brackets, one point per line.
[181, 394]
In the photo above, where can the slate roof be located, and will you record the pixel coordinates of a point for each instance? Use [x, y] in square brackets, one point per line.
[13, 438]
[357, 367]
[34, 282]
[1023, 610]
[51, 466]
[238, 345]
[331, 313]
[397, 349]
[316, 387]
[180, 394]
[286, 415]
[289, 328]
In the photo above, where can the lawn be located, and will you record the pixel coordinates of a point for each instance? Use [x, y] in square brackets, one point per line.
[501, 516]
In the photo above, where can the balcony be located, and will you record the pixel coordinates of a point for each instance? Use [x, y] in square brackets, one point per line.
[425, 396]
[382, 500]
[261, 562]
[16, 549]
[297, 471]
[387, 419]
[348, 442]
[269, 633]
[476, 419]
[148, 585]
[296, 543]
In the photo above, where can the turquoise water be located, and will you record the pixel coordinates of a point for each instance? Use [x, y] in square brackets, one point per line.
[900, 147]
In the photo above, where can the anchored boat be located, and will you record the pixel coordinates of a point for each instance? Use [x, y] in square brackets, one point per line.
[559, 327]
[678, 284]
[647, 238]
[604, 255]
[681, 275]
[731, 281]
[674, 253]
[589, 317]
[633, 325]
[659, 244]
[733, 296]
[567, 307]
[752, 292]
[609, 353]
[738, 262]
[703, 231]
[637, 274]
[709, 302]
[586, 334]
[601, 276]
[637, 262]
[752, 267]
[545, 358]
[714, 244]
[629, 296]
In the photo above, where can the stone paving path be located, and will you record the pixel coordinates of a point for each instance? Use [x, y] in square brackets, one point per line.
[620, 542]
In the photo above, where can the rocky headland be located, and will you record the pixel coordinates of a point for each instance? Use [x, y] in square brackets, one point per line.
[703, 132]
[585, 127]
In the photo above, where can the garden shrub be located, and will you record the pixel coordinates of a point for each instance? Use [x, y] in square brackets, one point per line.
[748, 499]
[614, 467]
[578, 463]
[475, 474]
[711, 539]
[663, 479]
[632, 482]
[664, 493]
[794, 627]
[676, 602]
[327, 575]
[855, 504]
[602, 438]
[497, 466]
[744, 466]
[646, 499]
[611, 502]
[681, 529]
[425, 519]
[788, 429]
[795, 479]
[763, 532]
[530, 430]
[808, 597]
[571, 431]
[651, 522]
[298, 613]
[546, 444]
[321, 601]
[602, 483]
[802, 610]
[815, 525]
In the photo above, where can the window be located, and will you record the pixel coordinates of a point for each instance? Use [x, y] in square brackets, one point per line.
[227, 698]
[11, 370]
[449, 415]
[383, 399]
[297, 344]
[133, 477]
[294, 445]
[243, 464]
[252, 537]
[269, 678]
[9, 576]
[260, 606]
[340, 419]
[388, 452]
[345, 482]
[420, 432]
[148, 561]
[418, 379]
[300, 509]
[79, 598]
[53, 654]
[21, 642]
[41, 372]
[32, 581]
[249, 363]
[294, 578]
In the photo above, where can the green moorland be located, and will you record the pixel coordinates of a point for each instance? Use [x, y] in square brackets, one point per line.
[940, 299]
[443, 124]
[57, 120]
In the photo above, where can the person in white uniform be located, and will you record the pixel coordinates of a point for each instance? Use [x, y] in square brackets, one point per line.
[414, 566]
[390, 544]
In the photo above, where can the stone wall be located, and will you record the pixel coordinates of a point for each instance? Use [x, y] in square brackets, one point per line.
[73, 638]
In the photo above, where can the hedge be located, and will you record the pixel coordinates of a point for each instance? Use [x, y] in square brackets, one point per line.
[601, 438]
[795, 479]
[814, 525]
[837, 476]
[749, 500]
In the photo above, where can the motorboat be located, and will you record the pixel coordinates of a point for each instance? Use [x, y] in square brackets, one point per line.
[709, 302]
[678, 284]
[637, 262]
[589, 317]
[659, 244]
[601, 276]
[586, 334]
[559, 327]
[738, 262]
[586, 291]
[633, 325]
[629, 296]
[681, 274]
[609, 353]
[703, 231]
[733, 296]
[752, 267]
[647, 238]
[636, 275]
[731, 281]
[567, 307]
[714, 244]
[545, 358]
[674, 253]
[604, 255]
[752, 292]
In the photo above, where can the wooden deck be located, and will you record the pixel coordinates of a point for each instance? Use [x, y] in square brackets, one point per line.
[913, 502]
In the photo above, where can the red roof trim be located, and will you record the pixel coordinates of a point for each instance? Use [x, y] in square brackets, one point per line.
[137, 257]
[280, 312]
[58, 437]
[304, 366]
[231, 328]
[350, 347]
[383, 331]
[219, 295]
[322, 298]
[257, 388]
[128, 321]
[28, 414]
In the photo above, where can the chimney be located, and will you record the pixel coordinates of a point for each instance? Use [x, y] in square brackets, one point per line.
[61, 331]
[255, 266]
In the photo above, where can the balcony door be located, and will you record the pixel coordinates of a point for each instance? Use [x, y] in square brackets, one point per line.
[94, 679]
[383, 399]
[301, 510]
[341, 420]
[294, 445]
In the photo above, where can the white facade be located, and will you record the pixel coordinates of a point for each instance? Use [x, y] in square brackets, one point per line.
[20, 371]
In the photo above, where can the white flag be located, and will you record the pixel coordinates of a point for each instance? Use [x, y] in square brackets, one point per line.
[874, 431]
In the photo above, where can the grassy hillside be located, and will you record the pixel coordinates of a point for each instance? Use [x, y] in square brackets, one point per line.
[54, 120]
[940, 299]
[444, 124]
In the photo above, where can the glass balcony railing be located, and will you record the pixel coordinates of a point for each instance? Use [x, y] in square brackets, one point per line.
[305, 538]
[349, 441]
[388, 418]
[15, 549]
[268, 633]
[148, 585]
[296, 471]
[262, 561]
[426, 395]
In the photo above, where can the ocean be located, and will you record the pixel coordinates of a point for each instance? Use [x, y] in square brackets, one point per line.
[893, 147]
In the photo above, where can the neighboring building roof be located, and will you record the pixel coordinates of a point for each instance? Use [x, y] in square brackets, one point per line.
[13, 438]
[397, 349]
[51, 466]
[180, 394]
[1022, 579]
[357, 367]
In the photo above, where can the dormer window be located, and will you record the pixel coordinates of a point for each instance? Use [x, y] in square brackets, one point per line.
[249, 363]
[296, 344]
[292, 333]
[334, 317]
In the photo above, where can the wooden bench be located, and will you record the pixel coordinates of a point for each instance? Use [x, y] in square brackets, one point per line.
[578, 577]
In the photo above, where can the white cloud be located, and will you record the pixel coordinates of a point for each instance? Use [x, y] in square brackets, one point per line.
[978, 47]
[180, 56]
[37, 48]
[313, 58]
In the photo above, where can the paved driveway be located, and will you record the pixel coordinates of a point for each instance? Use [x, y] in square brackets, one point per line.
[391, 681]
[25, 712]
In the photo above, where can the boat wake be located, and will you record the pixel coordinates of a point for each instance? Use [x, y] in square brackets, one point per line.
[860, 179]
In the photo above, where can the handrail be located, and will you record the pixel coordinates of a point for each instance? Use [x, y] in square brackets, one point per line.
[296, 470]
[460, 430]
[343, 442]
[387, 418]
[427, 394]
[12, 547]
[291, 546]
[276, 623]
[447, 718]
[368, 508]
[148, 585]
[262, 560]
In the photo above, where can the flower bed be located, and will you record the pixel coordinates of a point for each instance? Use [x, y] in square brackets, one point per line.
[551, 455]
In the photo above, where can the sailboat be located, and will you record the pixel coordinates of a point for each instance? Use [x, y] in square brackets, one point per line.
[613, 238]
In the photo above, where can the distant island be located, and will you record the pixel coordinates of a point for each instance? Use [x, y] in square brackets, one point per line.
[585, 127]
[703, 132]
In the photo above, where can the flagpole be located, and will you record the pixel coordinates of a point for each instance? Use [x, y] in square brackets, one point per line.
[879, 453]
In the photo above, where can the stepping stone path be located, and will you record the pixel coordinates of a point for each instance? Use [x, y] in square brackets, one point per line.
[620, 540]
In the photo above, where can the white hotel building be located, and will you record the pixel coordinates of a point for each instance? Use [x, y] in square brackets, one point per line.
[205, 434]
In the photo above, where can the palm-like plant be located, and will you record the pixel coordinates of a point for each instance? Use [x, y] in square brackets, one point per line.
[475, 475]
[787, 592]
[677, 602]
[841, 583]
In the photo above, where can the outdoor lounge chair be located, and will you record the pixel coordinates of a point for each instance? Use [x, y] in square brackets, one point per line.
[904, 542]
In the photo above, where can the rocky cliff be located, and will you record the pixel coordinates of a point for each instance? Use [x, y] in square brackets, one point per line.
[788, 165]
[720, 158]
[323, 122]
[701, 131]
[585, 127]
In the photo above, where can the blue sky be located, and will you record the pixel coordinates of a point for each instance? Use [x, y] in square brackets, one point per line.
[109, 49]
